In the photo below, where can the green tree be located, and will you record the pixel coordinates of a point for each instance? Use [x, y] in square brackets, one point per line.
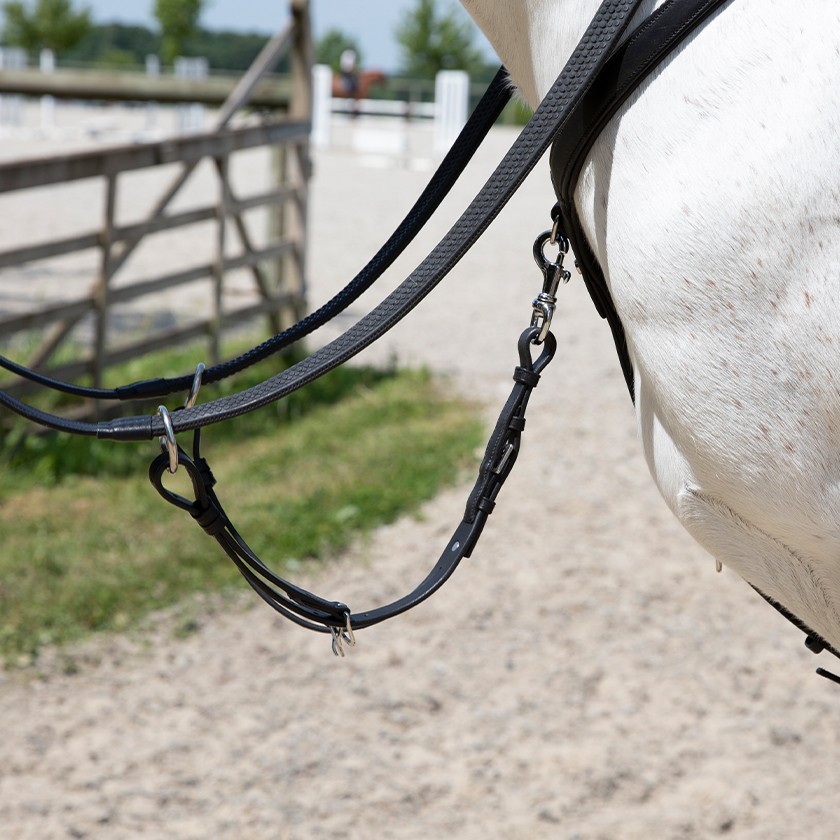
[332, 45]
[118, 59]
[112, 43]
[51, 24]
[433, 39]
[105, 42]
[178, 20]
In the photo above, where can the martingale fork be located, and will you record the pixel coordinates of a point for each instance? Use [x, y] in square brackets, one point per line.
[333, 617]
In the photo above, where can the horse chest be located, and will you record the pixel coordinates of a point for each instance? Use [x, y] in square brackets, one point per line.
[713, 204]
[712, 201]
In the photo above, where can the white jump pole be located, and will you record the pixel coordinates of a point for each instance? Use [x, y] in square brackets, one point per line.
[47, 65]
[452, 89]
[152, 108]
[321, 105]
[191, 117]
[11, 105]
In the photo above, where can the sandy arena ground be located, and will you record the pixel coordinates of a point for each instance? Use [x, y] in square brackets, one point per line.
[585, 674]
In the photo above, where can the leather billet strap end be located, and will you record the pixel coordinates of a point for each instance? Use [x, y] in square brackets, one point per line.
[503, 445]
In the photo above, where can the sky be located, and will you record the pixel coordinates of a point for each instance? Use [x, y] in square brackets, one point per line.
[371, 22]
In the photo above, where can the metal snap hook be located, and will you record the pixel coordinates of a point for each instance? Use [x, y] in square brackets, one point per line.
[552, 270]
[543, 312]
[553, 275]
[167, 441]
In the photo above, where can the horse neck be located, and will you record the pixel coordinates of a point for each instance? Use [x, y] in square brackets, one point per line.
[534, 38]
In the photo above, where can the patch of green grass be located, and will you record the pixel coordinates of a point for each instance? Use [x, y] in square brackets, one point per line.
[88, 545]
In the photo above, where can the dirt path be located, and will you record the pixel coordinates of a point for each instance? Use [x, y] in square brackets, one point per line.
[585, 675]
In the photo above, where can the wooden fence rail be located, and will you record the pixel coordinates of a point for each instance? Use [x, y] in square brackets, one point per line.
[115, 86]
[277, 267]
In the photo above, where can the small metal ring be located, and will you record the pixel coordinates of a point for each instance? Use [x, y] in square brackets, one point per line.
[196, 385]
[545, 264]
[560, 242]
[167, 441]
[337, 646]
[342, 636]
[348, 634]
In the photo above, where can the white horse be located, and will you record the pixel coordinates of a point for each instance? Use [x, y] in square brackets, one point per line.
[712, 201]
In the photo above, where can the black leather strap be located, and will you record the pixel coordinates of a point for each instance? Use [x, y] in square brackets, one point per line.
[628, 66]
[320, 614]
[470, 138]
[813, 641]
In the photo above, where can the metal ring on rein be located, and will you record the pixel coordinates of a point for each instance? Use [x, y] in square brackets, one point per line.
[167, 441]
[196, 385]
[342, 636]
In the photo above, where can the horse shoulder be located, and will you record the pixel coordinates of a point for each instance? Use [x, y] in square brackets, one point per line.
[713, 202]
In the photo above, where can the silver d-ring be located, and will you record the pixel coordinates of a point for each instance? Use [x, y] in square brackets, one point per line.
[196, 385]
[343, 636]
[337, 642]
[348, 634]
[168, 440]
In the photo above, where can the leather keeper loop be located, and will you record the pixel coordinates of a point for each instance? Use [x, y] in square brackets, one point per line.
[526, 377]
[486, 505]
[211, 520]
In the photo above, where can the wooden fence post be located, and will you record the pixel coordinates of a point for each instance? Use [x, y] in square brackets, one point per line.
[114, 243]
[291, 166]
[217, 314]
[102, 289]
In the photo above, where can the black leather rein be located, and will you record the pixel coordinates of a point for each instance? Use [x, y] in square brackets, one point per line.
[322, 615]
[453, 164]
[336, 618]
[558, 112]
[600, 39]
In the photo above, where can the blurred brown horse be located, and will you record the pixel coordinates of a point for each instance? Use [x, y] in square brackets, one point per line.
[356, 86]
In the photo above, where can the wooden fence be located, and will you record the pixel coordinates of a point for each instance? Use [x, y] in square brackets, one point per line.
[277, 268]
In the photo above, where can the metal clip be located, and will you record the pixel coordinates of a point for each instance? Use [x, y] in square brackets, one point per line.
[543, 313]
[553, 275]
[344, 636]
[167, 441]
